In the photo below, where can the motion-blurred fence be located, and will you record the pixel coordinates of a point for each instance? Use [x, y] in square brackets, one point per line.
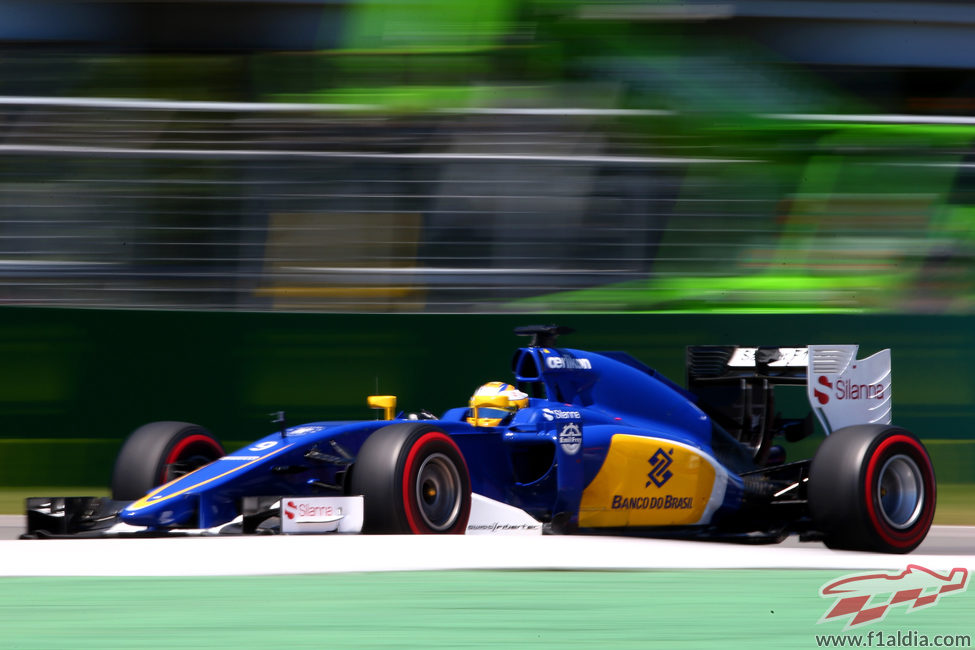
[156, 204]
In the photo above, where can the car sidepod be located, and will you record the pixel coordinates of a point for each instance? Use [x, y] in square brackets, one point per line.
[648, 481]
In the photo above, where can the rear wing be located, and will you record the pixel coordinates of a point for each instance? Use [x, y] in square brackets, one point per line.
[842, 390]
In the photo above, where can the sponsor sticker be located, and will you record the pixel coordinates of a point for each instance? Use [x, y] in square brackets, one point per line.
[321, 514]
[490, 517]
[844, 390]
[559, 414]
[504, 528]
[660, 462]
[666, 502]
[783, 358]
[568, 363]
[302, 431]
[570, 437]
[648, 482]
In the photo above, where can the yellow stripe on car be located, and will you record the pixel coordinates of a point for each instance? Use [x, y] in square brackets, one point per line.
[149, 499]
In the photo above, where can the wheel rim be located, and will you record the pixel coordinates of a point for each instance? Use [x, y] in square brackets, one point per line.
[438, 492]
[900, 489]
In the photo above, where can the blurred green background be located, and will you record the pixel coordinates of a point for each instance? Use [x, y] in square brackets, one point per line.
[504, 156]
[75, 382]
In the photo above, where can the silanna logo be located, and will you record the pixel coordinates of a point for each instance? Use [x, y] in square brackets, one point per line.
[844, 389]
[660, 462]
[867, 597]
[559, 414]
[310, 512]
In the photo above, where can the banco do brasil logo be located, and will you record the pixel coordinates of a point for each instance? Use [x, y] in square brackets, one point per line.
[659, 463]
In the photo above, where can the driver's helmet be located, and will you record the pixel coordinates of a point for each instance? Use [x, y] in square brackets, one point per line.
[492, 416]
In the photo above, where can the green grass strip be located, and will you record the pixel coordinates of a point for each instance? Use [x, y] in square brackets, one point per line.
[469, 609]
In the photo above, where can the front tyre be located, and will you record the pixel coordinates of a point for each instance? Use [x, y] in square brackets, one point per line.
[414, 480]
[872, 488]
[159, 452]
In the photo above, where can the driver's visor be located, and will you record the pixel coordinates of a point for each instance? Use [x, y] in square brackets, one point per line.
[488, 412]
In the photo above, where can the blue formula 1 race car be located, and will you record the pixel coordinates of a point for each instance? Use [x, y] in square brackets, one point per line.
[578, 442]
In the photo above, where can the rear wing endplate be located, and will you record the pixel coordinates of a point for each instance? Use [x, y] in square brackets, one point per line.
[842, 389]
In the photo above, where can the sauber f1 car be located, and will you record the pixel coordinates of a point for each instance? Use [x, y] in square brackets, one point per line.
[579, 441]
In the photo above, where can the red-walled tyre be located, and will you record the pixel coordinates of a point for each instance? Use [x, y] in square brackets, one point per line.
[159, 452]
[414, 480]
[872, 488]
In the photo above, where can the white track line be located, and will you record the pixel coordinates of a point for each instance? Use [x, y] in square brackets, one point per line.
[279, 554]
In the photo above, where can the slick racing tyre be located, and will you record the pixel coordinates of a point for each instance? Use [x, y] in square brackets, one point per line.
[159, 452]
[414, 480]
[872, 488]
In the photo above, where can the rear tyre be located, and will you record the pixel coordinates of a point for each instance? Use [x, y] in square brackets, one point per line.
[872, 488]
[159, 452]
[414, 480]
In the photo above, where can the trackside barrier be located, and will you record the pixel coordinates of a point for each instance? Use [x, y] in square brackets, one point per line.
[74, 383]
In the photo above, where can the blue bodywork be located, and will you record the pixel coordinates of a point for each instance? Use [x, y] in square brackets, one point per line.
[521, 462]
